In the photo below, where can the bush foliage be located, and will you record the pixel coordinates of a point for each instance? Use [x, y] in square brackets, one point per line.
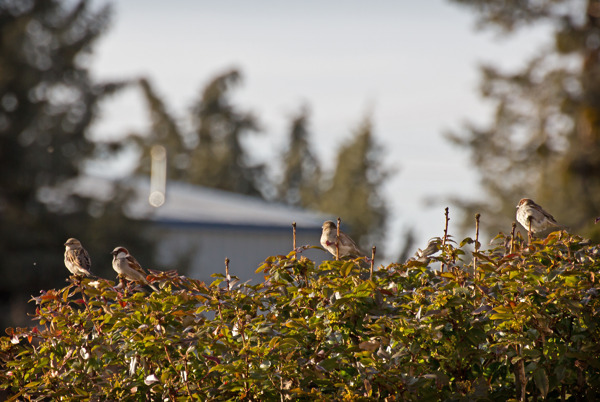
[497, 327]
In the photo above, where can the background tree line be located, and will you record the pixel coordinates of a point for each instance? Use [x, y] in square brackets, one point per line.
[544, 138]
[48, 105]
[211, 153]
[543, 141]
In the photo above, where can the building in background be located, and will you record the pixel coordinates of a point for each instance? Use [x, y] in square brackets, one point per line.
[196, 227]
[199, 227]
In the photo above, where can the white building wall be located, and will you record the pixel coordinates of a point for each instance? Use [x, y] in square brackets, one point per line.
[204, 249]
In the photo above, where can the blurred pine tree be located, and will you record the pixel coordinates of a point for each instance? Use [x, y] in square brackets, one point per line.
[219, 160]
[544, 142]
[354, 192]
[210, 153]
[47, 103]
[300, 183]
[164, 131]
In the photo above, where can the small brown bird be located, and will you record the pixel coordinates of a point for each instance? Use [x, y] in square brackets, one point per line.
[527, 211]
[433, 246]
[127, 266]
[347, 247]
[77, 259]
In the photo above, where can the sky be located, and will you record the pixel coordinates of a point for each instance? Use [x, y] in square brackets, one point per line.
[411, 66]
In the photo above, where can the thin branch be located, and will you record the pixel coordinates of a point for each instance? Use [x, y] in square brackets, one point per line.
[337, 240]
[373, 250]
[227, 277]
[477, 217]
[87, 307]
[512, 237]
[447, 214]
[294, 237]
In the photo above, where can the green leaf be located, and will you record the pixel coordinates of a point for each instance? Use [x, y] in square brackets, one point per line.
[346, 268]
[466, 240]
[502, 316]
[329, 364]
[541, 381]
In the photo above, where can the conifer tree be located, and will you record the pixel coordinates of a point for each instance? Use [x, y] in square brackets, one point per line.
[300, 184]
[354, 192]
[164, 131]
[211, 154]
[219, 159]
[47, 103]
[544, 142]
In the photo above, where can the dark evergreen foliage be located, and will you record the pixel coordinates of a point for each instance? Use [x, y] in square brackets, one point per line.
[300, 184]
[47, 103]
[354, 191]
[544, 142]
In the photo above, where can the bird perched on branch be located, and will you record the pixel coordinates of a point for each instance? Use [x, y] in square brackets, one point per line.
[127, 266]
[347, 247]
[528, 211]
[433, 246]
[77, 259]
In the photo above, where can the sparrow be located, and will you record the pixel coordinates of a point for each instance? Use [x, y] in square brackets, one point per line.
[540, 220]
[77, 259]
[347, 247]
[433, 246]
[127, 266]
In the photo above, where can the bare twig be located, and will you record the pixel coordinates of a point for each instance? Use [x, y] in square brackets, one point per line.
[373, 250]
[242, 330]
[520, 379]
[477, 217]
[294, 237]
[447, 213]
[124, 284]
[529, 234]
[337, 240]
[227, 277]
[512, 237]
[87, 307]
[185, 379]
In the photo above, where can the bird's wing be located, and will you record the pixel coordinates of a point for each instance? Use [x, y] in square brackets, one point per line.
[352, 242]
[549, 217]
[135, 265]
[544, 213]
[81, 258]
[348, 242]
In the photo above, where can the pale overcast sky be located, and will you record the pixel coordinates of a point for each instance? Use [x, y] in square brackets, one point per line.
[413, 65]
